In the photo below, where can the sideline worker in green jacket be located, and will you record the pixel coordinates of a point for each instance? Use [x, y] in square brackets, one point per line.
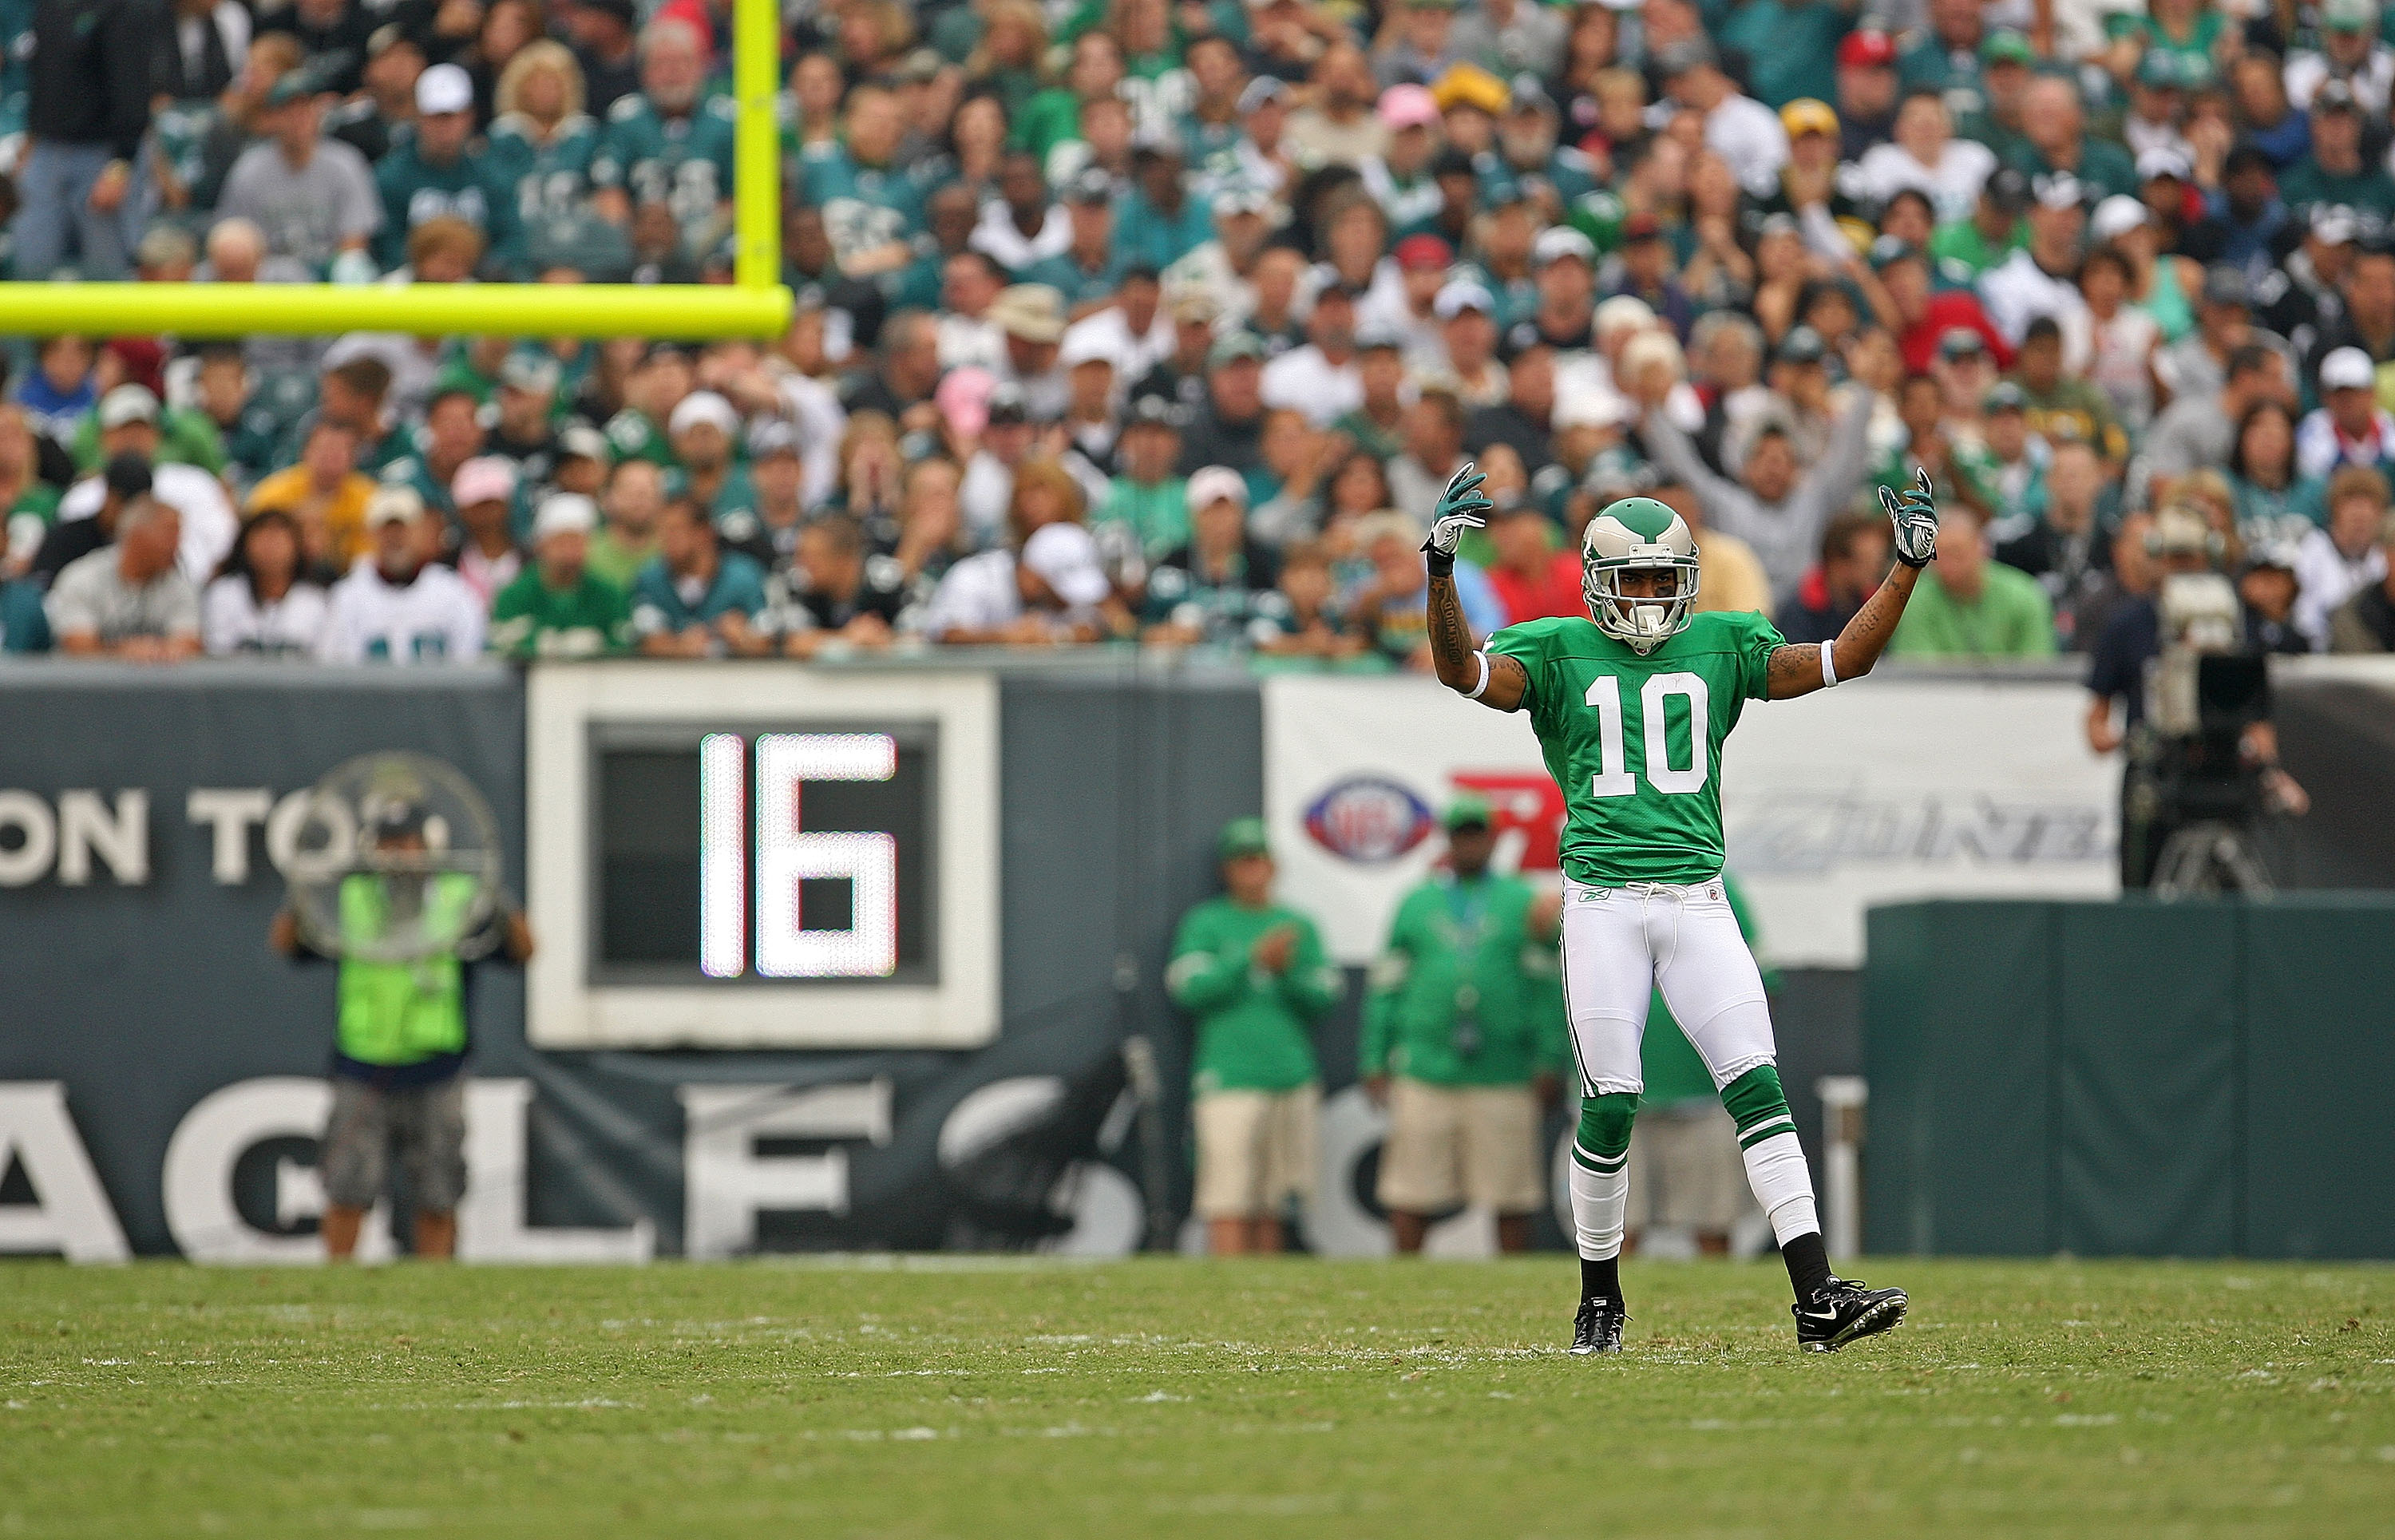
[1465, 1020]
[1254, 974]
[400, 1047]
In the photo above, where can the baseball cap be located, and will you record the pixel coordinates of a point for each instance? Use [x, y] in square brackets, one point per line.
[1381, 336]
[1422, 252]
[1093, 186]
[703, 407]
[393, 504]
[2058, 190]
[1808, 115]
[2116, 216]
[295, 85]
[1867, 50]
[962, 396]
[1260, 90]
[1530, 95]
[564, 513]
[1083, 345]
[444, 89]
[1462, 296]
[580, 440]
[1067, 558]
[535, 373]
[1469, 85]
[1243, 837]
[1008, 404]
[1686, 54]
[1242, 200]
[772, 436]
[1452, 162]
[1956, 342]
[2349, 15]
[2271, 554]
[2006, 46]
[1557, 242]
[1032, 312]
[1888, 250]
[919, 68]
[1408, 106]
[1196, 306]
[1233, 346]
[2159, 70]
[1215, 483]
[2334, 225]
[2161, 160]
[127, 404]
[2007, 189]
[485, 478]
[2007, 397]
[2335, 96]
[1154, 411]
[2224, 283]
[1802, 345]
[2347, 369]
[1466, 811]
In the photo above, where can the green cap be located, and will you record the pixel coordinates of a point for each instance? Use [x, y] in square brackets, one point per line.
[2006, 46]
[2349, 15]
[293, 86]
[1468, 812]
[1231, 345]
[1243, 837]
[2159, 68]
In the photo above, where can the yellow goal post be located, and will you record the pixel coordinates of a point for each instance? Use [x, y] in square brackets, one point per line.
[754, 304]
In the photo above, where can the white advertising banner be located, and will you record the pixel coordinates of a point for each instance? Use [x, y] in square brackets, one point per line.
[1878, 791]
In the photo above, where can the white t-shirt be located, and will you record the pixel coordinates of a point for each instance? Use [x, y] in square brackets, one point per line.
[209, 523]
[434, 619]
[233, 623]
[1750, 137]
[1952, 185]
[979, 594]
[2017, 291]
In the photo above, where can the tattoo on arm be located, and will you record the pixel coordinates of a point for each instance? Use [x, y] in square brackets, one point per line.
[1450, 639]
[1794, 670]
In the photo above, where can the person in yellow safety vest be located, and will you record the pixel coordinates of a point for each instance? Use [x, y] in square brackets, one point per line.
[400, 1042]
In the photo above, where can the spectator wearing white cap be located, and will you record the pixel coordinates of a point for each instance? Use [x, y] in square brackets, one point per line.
[1467, 325]
[399, 606]
[484, 493]
[128, 425]
[311, 198]
[2348, 427]
[557, 607]
[704, 428]
[1091, 418]
[1216, 588]
[1055, 592]
[1563, 267]
[439, 172]
[2040, 278]
[767, 530]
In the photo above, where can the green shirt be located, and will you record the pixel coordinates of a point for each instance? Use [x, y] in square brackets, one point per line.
[2012, 617]
[1251, 1025]
[685, 163]
[1961, 242]
[1792, 47]
[2305, 186]
[531, 619]
[2105, 170]
[1465, 994]
[616, 563]
[1634, 741]
[185, 437]
[1158, 514]
[394, 1014]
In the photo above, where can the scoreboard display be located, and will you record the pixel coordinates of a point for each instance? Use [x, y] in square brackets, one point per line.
[761, 857]
[765, 855]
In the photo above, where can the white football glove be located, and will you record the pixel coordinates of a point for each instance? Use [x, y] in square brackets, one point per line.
[1915, 515]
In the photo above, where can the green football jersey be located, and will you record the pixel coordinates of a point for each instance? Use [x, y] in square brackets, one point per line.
[551, 179]
[1635, 742]
[685, 163]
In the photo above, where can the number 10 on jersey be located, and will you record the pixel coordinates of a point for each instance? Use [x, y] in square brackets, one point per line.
[1614, 777]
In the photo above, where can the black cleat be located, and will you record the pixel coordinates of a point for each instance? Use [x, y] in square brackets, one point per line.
[1843, 1311]
[1597, 1328]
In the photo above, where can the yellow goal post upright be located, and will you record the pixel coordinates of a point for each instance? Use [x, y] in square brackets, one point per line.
[754, 304]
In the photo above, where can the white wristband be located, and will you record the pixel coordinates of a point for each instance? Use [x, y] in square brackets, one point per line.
[1829, 668]
[1482, 688]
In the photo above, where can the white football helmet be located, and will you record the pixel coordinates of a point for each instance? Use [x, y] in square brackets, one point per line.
[1636, 534]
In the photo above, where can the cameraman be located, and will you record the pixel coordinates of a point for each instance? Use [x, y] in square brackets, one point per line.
[398, 1052]
[2201, 768]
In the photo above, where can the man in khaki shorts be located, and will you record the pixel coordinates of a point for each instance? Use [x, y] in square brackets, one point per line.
[1254, 975]
[1464, 1039]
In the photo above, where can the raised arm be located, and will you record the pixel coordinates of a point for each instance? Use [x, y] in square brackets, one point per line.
[1682, 463]
[1795, 670]
[1492, 679]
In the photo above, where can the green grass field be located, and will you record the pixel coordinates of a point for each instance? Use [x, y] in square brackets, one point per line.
[1166, 1397]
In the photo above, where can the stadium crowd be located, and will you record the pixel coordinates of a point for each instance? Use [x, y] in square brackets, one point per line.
[1137, 321]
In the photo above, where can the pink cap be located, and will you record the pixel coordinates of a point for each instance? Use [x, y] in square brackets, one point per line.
[963, 398]
[486, 479]
[1408, 107]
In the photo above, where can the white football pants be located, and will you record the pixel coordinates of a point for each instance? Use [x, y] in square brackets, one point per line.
[1620, 944]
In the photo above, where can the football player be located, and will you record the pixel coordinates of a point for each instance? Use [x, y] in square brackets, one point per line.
[1631, 705]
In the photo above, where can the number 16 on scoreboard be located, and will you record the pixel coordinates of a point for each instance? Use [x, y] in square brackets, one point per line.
[788, 856]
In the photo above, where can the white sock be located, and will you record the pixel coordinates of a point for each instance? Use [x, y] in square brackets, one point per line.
[1598, 1203]
[1783, 1184]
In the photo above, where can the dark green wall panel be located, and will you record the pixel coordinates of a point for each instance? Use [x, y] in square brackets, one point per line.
[2320, 1081]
